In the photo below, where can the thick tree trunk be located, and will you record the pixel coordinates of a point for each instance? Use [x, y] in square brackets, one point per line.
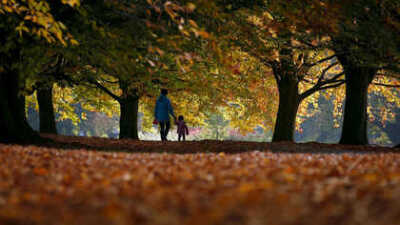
[354, 131]
[129, 105]
[289, 101]
[128, 121]
[13, 125]
[46, 110]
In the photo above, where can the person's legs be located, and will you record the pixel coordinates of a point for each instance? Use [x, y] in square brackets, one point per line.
[179, 136]
[184, 137]
[162, 130]
[167, 126]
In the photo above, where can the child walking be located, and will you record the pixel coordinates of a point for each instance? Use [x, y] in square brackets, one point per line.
[182, 128]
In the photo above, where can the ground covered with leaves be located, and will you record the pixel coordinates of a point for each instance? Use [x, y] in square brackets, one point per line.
[207, 182]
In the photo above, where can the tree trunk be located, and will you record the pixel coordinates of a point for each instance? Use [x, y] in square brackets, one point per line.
[46, 110]
[13, 125]
[354, 131]
[129, 105]
[289, 101]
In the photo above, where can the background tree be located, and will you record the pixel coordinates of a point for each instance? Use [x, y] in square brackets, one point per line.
[364, 35]
[24, 24]
[294, 57]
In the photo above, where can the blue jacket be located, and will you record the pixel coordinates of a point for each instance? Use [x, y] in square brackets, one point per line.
[163, 109]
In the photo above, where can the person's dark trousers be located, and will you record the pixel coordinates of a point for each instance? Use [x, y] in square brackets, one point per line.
[164, 125]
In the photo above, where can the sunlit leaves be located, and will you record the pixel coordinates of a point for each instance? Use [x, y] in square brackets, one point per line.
[387, 99]
[72, 3]
[37, 19]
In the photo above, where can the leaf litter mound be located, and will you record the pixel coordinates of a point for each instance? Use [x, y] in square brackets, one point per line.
[137, 182]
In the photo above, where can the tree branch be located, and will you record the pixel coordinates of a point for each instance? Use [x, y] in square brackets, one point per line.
[387, 85]
[109, 81]
[315, 89]
[320, 85]
[324, 71]
[104, 89]
[321, 61]
[275, 72]
[341, 82]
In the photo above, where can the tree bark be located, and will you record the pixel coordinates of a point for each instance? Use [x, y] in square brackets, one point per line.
[13, 125]
[289, 101]
[358, 79]
[129, 105]
[46, 110]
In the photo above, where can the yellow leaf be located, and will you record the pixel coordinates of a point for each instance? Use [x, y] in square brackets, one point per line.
[84, 116]
[74, 42]
[193, 23]
[8, 9]
[203, 34]
[269, 16]
[191, 7]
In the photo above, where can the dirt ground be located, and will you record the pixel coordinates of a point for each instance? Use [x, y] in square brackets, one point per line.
[97, 181]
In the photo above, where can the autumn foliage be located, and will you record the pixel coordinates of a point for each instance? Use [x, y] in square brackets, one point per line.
[249, 183]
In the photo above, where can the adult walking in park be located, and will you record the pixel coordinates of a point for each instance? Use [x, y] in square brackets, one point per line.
[161, 113]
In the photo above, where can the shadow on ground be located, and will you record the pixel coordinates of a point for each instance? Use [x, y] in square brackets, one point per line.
[204, 146]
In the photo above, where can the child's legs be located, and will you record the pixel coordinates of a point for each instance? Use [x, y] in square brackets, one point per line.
[181, 136]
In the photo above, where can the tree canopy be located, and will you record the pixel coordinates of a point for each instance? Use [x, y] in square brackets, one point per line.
[257, 63]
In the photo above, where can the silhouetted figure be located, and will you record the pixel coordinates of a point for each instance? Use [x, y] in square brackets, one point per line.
[161, 113]
[182, 128]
